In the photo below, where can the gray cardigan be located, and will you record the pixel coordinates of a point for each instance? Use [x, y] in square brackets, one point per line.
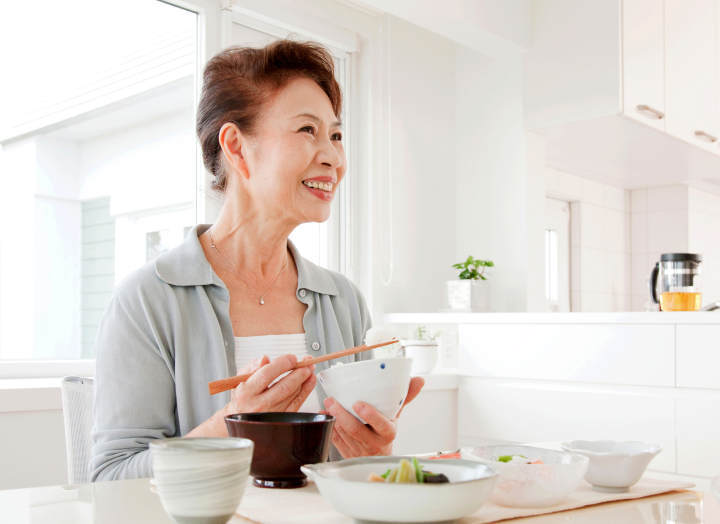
[167, 333]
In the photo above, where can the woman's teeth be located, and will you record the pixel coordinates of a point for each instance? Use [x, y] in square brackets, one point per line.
[324, 186]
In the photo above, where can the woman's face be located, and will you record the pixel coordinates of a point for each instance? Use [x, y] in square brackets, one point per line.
[295, 158]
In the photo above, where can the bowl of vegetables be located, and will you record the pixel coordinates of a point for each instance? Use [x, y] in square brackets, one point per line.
[530, 477]
[403, 489]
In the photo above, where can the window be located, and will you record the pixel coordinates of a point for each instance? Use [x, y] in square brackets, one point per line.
[557, 255]
[98, 161]
[99, 157]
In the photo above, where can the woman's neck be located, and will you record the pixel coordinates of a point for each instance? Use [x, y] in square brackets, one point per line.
[251, 246]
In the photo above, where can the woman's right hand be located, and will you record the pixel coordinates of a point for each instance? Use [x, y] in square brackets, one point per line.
[286, 394]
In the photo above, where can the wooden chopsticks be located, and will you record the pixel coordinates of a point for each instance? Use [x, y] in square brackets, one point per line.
[218, 386]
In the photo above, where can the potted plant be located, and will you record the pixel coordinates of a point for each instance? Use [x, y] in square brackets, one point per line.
[469, 292]
[423, 350]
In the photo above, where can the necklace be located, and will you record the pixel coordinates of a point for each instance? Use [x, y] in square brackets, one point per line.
[262, 299]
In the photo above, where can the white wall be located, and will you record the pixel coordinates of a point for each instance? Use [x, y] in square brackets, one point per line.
[599, 241]
[704, 231]
[422, 173]
[491, 183]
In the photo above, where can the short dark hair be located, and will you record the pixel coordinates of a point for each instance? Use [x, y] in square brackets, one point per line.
[239, 80]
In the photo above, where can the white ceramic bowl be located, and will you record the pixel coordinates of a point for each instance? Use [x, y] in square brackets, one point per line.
[614, 466]
[423, 353]
[344, 484]
[531, 485]
[382, 383]
[201, 480]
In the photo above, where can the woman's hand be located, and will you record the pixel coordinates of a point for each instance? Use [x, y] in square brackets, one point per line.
[264, 391]
[285, 394]
[352, 438]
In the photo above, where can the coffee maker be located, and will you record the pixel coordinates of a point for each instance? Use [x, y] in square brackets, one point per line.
[679, 276]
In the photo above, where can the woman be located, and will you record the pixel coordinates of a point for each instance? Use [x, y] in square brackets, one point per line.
[236, 291]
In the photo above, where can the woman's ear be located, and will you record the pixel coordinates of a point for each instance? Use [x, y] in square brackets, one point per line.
[232, 142]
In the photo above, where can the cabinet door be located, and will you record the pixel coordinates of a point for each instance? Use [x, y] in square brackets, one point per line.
[690, 47]
[644, 61]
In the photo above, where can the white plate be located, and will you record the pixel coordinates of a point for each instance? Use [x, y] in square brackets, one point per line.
[344, 484]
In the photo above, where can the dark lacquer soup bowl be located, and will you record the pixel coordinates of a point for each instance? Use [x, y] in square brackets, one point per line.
[283, 443]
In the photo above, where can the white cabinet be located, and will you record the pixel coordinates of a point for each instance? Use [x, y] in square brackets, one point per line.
[643, 60]
[596, 69]
[691, 72]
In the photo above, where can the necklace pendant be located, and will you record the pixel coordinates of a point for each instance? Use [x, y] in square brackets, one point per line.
[262, 301]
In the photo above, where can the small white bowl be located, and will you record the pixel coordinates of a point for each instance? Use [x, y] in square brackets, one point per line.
[382, 383]
[531, 485]
[614, 466]
[201, 480]
[344, 484]
[423, 353]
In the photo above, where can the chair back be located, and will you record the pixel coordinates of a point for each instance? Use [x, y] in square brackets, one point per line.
[78, 399]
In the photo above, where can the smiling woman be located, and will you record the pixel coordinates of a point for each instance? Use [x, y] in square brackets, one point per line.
[238, 290]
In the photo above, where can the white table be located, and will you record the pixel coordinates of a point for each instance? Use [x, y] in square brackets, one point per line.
[132, 501]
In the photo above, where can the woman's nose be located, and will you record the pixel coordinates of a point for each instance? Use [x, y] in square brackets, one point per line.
[329, 154]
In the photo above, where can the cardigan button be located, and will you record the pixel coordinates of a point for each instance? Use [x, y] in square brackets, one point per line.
[315, 346]
[302, 293]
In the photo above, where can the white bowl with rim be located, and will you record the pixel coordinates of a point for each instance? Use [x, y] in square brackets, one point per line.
[531, 485]
[201, 480]
[345, 485]
[383, 383]
[423, 353]
[615, 466]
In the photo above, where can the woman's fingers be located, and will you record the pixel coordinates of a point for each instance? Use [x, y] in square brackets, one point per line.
[263, 377]
[342, 446]
[377, 421]
[306, 389]
[416, 385]
[343, 418]
[288, 387]
[362, 440]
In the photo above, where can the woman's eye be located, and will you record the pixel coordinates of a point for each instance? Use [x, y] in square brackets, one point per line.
[308, 129]
[337, 136]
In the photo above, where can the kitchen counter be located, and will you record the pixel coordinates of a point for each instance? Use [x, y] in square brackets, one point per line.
[132, 501]
[685, 317]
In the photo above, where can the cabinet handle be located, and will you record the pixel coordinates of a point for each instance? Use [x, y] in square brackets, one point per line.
[707, 137]
[650, 112]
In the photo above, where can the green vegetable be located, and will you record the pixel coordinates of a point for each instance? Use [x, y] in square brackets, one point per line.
[386, 474]
[418, 471]
[508, 458]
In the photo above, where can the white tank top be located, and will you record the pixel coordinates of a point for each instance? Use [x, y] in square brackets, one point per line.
[248, 349]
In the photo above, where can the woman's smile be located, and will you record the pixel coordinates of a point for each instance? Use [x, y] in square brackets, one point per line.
[321, 187]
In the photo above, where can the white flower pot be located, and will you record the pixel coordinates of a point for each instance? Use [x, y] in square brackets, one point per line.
[468, 295]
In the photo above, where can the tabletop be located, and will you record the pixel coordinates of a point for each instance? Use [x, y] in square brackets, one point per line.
[133, 501]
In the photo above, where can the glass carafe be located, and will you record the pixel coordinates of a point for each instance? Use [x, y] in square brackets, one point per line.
[679, 276]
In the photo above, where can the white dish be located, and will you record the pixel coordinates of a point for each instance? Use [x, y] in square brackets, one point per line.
[201, 480]
[423, 353]
[531, 485]
[344, 484]
[614, 466]
[382, 383]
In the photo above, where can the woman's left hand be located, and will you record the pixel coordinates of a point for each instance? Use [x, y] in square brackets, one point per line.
[352, 438]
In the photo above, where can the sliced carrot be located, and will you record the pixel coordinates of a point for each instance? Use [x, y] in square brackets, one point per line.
[538, 461]
[446, 456]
